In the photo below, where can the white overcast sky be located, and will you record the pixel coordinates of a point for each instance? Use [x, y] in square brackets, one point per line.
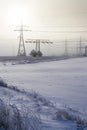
[39, 15]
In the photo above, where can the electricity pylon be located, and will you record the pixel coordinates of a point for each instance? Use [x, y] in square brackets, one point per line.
[38, 42]
[21, 48]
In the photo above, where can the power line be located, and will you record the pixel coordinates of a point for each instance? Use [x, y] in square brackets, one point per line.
[38, 42]
[60, 31]
[57, 26]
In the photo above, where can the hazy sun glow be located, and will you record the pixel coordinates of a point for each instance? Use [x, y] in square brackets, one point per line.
[17, 15]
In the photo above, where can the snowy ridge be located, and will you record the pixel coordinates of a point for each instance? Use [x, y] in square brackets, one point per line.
[35, 104]
[32, 60]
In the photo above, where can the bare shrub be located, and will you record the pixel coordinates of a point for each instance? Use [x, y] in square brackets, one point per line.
[11, 118]
[33, 53]
[2, 83]
[63, 114]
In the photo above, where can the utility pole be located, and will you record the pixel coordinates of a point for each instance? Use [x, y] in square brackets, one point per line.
[66, 48]
[80, 46]
[77, 49]
[37, 45]
[21, 48]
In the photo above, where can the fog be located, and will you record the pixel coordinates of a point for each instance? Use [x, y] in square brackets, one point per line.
[57, 17]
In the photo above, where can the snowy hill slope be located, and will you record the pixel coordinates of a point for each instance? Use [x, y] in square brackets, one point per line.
[62, 82]
[39, 112]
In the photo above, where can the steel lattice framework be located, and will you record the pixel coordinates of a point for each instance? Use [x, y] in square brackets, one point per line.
[21, 48]
[38, 42]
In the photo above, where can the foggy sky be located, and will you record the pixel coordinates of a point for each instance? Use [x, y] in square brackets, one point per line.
[41, 15]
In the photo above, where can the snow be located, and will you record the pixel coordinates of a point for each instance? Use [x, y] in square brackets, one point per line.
[63, 82]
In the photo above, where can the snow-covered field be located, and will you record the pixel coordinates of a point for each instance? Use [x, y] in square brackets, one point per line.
[62, 83]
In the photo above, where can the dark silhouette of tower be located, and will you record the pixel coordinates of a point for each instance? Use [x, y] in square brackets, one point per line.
[21, 48]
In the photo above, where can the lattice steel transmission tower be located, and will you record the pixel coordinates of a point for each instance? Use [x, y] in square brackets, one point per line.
[38, 42]
[21, 48]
